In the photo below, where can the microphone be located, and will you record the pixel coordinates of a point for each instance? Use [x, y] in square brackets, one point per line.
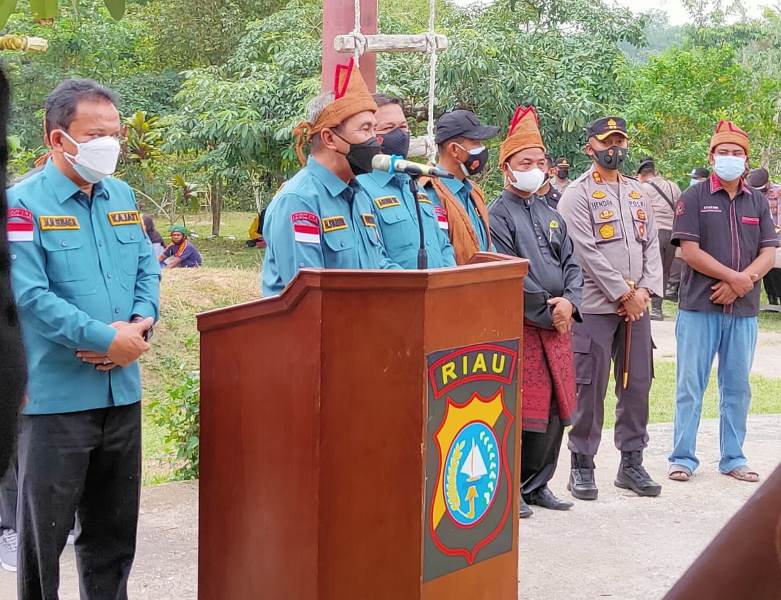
[396, 164]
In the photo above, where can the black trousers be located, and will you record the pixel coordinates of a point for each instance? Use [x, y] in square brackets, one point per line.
[88, 462]
[8, 486]
[540, 453]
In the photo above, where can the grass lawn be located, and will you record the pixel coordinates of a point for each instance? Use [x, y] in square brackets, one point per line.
[231, 275]
[768, 321]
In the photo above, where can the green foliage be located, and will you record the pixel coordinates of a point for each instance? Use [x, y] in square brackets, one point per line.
[178, 414]
[43, 10]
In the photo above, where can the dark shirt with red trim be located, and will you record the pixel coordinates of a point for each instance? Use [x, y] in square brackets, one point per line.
[731, 231]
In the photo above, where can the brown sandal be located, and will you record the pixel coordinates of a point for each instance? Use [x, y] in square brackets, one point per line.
[679, 473]
[744, 473]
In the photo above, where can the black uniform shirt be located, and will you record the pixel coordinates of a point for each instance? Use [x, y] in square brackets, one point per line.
[533, 230]
[731, 231]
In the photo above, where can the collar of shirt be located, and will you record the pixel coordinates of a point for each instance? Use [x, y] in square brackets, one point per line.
[63, 187]
[332, 183]
[461, 188]
[383, 178]
[527, 203]
[716, 185]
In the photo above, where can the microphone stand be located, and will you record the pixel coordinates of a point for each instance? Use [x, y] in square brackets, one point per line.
[422, 256]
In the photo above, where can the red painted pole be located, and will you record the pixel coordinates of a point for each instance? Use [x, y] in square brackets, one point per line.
[339, 19]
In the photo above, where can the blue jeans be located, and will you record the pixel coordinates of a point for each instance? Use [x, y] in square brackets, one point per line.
[701, 336]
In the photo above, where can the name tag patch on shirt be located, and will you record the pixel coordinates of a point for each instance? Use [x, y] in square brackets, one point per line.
[58, 222]
[20, 225]
[334, 224]
[387, 202]
[710, 208]
[369, 220]
[749, 220]
[124, 217]
[423, 198]
[441, 217]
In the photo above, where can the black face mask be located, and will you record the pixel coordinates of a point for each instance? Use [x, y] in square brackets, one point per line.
[396, 142]
[611, 158]
[475, 161]
[360, 155]
[562, 174]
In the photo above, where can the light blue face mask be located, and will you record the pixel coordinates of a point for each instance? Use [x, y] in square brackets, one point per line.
[729, 168]
[693, 182]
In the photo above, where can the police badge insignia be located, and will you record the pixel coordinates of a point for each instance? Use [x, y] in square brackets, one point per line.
[470, 441]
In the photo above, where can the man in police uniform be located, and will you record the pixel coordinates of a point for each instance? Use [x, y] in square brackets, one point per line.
[547, 191]
[87, 286]
[393, 201]
[460, 140]
[322, 218]
[612, 224]
[560, 175]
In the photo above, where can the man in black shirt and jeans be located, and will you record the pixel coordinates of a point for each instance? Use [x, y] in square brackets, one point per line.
[728, 243]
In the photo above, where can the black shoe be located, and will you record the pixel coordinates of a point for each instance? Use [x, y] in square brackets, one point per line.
[656, 310]
[525, 512]
[547, 499]
[655, 315]
[633, 476]
[581, 478]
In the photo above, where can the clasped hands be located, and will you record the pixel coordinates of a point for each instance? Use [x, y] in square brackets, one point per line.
[126, 348]
[737, 286]
[561, 312]
[633, 304]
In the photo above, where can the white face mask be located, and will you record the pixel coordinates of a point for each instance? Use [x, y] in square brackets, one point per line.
[95, 159]
[528, 181]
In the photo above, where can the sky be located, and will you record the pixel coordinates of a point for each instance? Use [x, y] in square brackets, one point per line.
[677, 13]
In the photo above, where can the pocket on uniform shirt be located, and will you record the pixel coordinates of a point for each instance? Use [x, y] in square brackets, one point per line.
[394, 220]
[339, 240]
[129, 238]
[68, 262]
[607, 226]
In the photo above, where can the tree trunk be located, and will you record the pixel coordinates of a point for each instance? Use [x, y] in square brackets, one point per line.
[216, 194]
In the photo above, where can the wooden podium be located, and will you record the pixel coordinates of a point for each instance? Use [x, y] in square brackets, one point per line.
[360, 437]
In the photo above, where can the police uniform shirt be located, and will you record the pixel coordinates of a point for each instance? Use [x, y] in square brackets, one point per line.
[552, 197]
[462, 189]
[612, 227]
[78, 264]
[731, 231]
[533, 230]
[318, 221]
[398, 221]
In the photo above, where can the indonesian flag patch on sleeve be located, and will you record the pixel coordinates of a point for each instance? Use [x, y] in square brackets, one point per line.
[441, 217]
[20, 225]
[306, 227]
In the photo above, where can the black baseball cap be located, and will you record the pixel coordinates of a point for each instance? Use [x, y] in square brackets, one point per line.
[462, 123]
[758, 178]
[699, 173]
[646, 163]
[602, 128]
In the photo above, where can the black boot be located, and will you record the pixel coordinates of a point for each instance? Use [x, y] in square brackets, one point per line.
[656, 310]
[525, 512]
[633, 476]
[581, 477]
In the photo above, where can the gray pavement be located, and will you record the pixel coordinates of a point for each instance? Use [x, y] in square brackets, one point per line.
[620, 546]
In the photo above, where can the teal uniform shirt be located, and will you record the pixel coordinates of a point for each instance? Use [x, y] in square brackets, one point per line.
[398, 221]
[463, 190]
[82, 264]
[318, 221]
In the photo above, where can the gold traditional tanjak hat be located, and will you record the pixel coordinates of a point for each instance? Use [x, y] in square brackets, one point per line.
[351, 96]
[729, 133]
[524, 133]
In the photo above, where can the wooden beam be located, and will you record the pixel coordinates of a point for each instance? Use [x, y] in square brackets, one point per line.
[338, 17]
[391, 43]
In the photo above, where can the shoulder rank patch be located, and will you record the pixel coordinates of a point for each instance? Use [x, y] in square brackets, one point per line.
[124, 217]
[596, 177]
[641, 216]
[424, 198]
[20, 225]
[635, 195]
[680, 208]
[599, 195]
[334, 223]
[606, 214]
[386, 202]
[369, 220]
[50, 222]
[607, 231]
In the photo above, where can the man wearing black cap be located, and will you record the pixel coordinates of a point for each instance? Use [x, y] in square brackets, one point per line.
[560, 175]
[612, 225]
[664, 195]
[459, 137]
[759, 179]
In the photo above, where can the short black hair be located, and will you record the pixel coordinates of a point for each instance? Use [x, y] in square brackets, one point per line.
[383, 100]
[62, 103]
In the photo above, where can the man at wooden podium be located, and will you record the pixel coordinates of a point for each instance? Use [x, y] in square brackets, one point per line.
[524, 225]
[322, 218]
